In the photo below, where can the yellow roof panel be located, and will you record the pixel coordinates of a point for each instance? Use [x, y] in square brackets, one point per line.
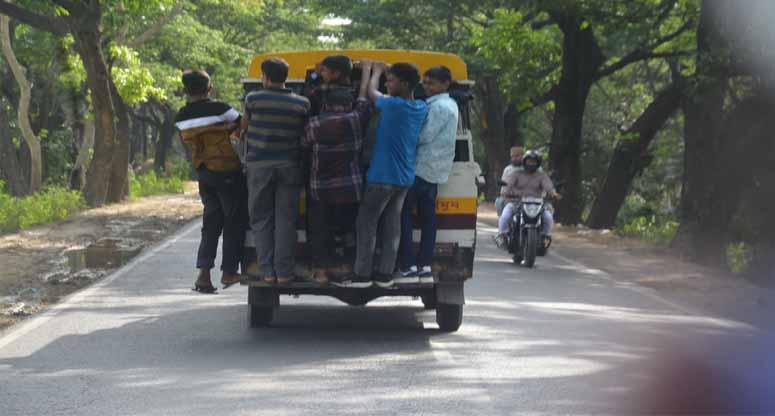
[303, 61]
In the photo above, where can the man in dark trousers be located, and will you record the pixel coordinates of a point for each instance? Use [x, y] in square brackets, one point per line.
[205, 126]
[335, 139]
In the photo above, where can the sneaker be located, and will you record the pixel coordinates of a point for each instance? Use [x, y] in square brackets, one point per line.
[353, 281]
[500, 241]
[384, 280]
[426, 275]
[408, 276]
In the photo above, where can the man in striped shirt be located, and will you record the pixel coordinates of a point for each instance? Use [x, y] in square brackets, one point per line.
[274, 123]
[204, 126]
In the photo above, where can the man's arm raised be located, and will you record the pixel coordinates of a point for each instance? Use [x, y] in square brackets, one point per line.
[378, 68]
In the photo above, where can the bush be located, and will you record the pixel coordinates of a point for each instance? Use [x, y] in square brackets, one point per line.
[739, 256]
[650, 228]
[180, 168]
[49, 205]
[151, 184]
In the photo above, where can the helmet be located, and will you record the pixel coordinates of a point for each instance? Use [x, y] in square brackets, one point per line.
[531, 154]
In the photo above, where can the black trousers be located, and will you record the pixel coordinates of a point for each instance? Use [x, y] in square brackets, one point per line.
[225, 199]
[322, 218]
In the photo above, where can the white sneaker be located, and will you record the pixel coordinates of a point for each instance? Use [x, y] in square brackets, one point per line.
[407, 277]
[426, 275]
[500, 241]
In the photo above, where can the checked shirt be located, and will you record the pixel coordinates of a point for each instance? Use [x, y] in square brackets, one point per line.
[337, 141]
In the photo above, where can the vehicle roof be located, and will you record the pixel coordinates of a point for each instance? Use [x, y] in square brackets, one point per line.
[302, 61]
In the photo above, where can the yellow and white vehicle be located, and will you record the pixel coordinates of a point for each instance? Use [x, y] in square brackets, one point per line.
[456, 205]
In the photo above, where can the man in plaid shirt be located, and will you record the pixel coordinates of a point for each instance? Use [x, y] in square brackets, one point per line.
[336, 181]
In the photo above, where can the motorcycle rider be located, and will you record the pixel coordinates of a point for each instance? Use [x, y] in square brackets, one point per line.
[526, 182]
[516, 153]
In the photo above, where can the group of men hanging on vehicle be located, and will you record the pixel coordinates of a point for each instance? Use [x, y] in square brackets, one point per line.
[413, 152]
[324, 130]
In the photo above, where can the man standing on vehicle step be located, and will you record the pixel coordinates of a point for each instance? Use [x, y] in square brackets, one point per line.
[335, 138]
[204, 126]
[274, 122]
[390, 174]
[435, 157]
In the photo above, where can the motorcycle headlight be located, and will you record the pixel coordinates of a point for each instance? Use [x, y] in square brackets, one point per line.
[531, 210]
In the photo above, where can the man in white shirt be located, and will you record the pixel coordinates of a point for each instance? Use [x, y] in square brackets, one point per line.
[433, 165]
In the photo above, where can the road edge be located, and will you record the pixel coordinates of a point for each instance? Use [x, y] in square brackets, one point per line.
[14, 332]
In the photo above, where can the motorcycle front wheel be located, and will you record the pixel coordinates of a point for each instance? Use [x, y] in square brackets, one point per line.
[516, 251]
[531, 246]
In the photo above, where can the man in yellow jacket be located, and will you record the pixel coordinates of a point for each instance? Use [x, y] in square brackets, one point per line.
[205, 126]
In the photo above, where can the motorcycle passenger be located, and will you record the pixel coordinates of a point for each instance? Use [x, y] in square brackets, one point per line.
[516, 153]
[526, 182]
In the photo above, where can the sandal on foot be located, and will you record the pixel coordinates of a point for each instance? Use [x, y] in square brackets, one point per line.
[227, 283]
[320, 277]
[208, 289]
[284, 280]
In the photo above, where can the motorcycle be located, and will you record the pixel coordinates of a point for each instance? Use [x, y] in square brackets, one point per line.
[525, 239]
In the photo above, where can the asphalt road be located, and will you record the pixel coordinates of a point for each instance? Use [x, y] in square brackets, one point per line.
[558, 339]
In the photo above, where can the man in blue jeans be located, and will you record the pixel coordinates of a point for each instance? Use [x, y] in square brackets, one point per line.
[435, 156]
[390, 173]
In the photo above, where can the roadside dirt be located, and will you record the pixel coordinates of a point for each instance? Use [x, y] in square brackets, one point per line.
[633, 261]
[40, 265]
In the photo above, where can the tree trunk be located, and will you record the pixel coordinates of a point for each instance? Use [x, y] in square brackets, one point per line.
[118, 188]
[631, 156]
[701, 236]
[493, 133]
[10, 165]
[88, 41]
[511, 126]
[581, 59]
[23, 110]
[78, 174]
[164, 141]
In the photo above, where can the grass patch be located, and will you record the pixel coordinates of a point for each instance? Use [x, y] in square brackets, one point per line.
[151, 184]
[171, 181]
[52, 204]
[650, 228]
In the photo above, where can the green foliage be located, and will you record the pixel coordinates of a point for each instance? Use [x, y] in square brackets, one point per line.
[651, 229]
[641, 219]
[526, 60]
[52, 204]
[59, 157]
[739, 256]
[135, 83]
[179, 168]
[150, 184]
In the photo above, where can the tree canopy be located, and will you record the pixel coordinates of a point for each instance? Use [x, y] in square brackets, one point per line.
[630, 101]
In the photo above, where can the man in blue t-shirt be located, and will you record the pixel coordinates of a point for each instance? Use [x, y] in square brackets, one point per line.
[391, 171]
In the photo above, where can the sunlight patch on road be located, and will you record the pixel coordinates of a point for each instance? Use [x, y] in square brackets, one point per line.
[507, 369]
[630, 314]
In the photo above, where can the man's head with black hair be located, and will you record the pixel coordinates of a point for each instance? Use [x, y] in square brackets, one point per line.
[402, 77]
[337, 100]
[436, 80]
[196, 82]
[336, 69]
[274, 70]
